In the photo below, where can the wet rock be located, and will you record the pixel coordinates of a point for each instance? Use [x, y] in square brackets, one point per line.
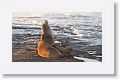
[29, 55]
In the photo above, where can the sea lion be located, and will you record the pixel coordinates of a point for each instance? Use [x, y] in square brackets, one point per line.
[45, 48]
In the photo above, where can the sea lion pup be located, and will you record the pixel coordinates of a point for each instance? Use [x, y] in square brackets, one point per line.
[45, 48]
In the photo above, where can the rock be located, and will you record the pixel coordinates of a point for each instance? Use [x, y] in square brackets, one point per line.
[30, 55]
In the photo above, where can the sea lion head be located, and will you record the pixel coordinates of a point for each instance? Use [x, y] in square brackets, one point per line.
[46, 22]
[45, 28]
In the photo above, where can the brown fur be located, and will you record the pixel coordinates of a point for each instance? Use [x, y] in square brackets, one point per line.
[67, 52]
[45, 48]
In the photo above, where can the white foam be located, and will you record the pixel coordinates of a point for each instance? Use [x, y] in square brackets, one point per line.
[86, 59]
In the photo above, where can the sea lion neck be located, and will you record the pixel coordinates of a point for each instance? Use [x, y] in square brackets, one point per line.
[46, 35]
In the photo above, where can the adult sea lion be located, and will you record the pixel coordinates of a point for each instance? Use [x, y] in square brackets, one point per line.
[45, 46]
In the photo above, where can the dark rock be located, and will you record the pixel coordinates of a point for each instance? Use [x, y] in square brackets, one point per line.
[30, 55]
